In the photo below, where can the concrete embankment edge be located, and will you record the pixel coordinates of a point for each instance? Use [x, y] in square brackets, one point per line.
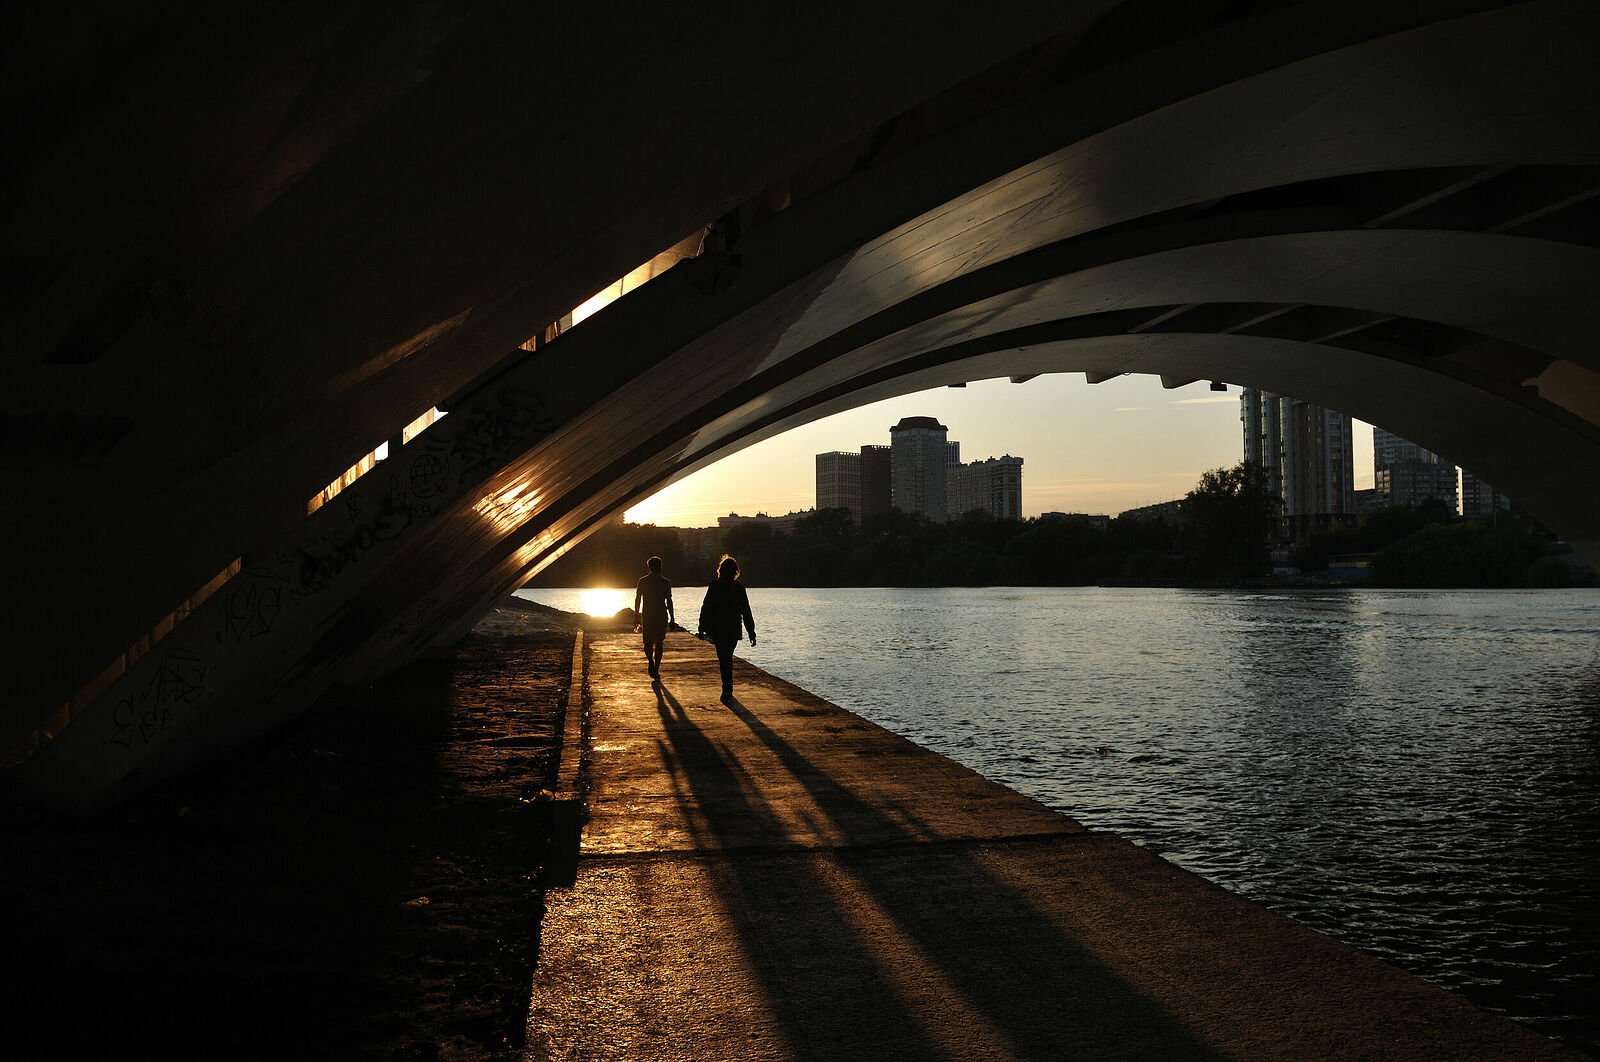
[778, 878]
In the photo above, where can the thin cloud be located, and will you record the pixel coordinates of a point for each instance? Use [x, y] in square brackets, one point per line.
[1131, 409]
[1204, 400]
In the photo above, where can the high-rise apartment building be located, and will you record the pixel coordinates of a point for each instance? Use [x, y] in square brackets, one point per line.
[1307, 454]
[1263, 435]
[1404, 473]
[1480, 499]
[839, 482]
[876, 479]
[995, 486]
[1320, 480]
[1389, 449]
[920, 472]
[1414, 482]
[919, 461]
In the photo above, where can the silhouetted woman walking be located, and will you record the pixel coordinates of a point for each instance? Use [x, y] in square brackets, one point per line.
[726, 606]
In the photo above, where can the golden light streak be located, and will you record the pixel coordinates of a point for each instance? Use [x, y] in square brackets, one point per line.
[418, 426]
[511, 507]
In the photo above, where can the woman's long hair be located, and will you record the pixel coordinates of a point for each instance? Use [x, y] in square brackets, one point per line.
[727, 568]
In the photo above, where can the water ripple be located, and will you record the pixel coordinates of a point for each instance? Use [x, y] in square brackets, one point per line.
[1416, 773]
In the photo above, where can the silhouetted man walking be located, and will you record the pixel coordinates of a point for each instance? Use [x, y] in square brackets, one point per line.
[652, 600]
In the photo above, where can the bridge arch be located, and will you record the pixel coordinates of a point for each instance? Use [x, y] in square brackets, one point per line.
[1391, 212]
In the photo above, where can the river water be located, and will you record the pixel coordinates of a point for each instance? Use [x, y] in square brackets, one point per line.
[1415, 773]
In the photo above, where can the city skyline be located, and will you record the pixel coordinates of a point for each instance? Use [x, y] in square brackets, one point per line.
[1101, 448]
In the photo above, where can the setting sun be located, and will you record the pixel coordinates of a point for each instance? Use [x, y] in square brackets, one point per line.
[601, 602]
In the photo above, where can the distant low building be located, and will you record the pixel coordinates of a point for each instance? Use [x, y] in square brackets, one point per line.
[780, 524]
[1160, 512]
[698, 543]
[1098, 521]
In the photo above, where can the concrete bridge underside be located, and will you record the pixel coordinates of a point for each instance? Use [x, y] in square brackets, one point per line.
[245, 247]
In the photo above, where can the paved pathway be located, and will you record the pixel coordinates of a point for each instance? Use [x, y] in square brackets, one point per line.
[779, 879]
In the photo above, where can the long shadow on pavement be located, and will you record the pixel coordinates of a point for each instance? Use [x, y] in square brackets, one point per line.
[904, 950]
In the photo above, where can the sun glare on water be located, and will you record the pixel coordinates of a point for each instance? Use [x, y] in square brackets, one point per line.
[604, 602]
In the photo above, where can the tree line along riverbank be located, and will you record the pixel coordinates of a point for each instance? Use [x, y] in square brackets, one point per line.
[1224, 532]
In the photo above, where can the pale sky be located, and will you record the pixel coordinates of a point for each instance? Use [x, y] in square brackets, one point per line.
[1098, 448]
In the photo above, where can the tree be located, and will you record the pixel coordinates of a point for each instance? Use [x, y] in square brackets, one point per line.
[758, 549]
[819, 548]
[1052, 550]
[614, 555]
[1227, 523]
[1380, 527]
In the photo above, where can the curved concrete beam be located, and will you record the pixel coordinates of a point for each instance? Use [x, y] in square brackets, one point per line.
[250, 248]
[1247, 200]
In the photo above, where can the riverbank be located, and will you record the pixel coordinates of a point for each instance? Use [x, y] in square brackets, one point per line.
[772, 877]
[1393, 768]
[362, 884]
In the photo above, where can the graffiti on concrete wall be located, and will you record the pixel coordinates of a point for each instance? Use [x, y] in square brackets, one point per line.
[429, 481]
[178, 680]
[487, 433]
[324, 556]
[252, 607]
[244, 619]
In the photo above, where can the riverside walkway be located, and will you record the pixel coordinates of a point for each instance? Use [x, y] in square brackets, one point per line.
[780, 879]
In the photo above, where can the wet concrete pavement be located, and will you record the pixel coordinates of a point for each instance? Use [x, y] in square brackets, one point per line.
[779, 879]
